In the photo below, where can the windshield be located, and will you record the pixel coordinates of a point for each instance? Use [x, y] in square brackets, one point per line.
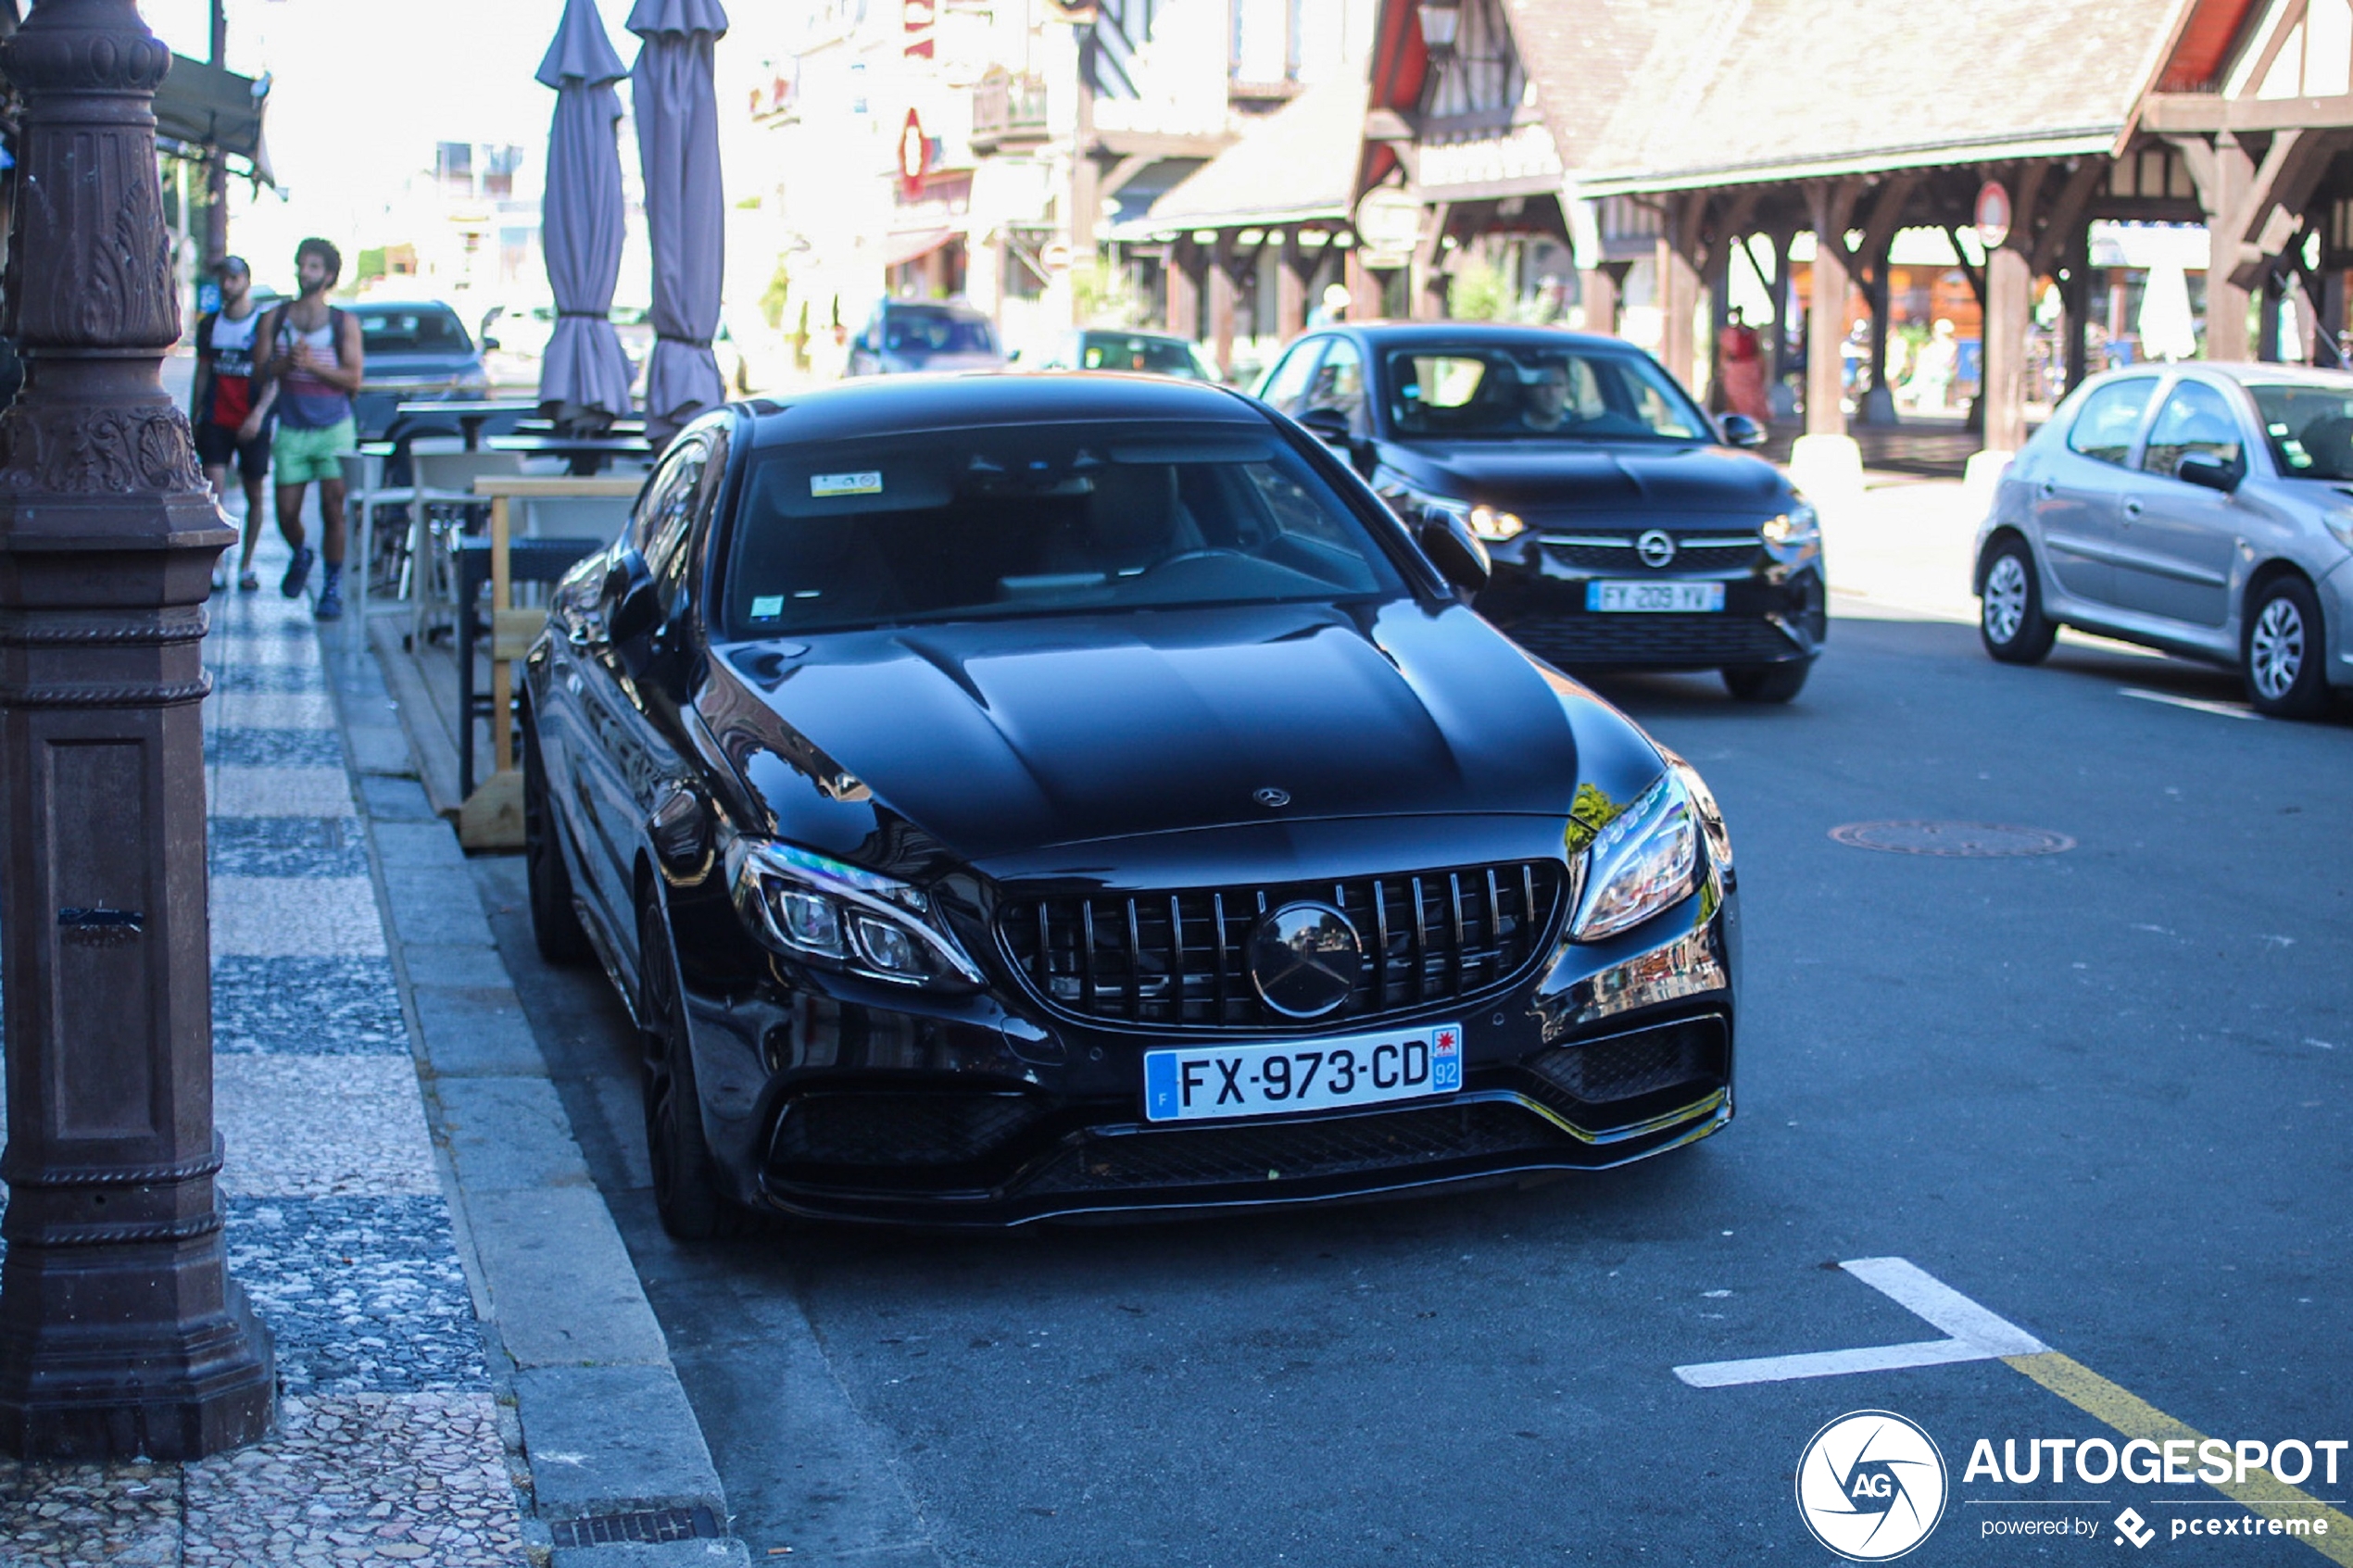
[1026, 521]
[936, 332]
[1490, 393]
[2310, 429]
[1159, 356]
[395, 331]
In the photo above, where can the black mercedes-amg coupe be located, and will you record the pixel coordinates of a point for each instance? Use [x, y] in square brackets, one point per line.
[1000, 799]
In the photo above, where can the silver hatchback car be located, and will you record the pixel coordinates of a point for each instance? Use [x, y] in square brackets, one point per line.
[2205, 510]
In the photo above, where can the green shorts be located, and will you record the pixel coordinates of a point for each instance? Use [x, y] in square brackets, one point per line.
[301, 455]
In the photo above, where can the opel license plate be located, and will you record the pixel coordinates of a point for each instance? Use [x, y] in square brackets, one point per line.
[1669, 598]
[1206, 1081]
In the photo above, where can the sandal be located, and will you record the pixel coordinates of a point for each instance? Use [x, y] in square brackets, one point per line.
[249, 582]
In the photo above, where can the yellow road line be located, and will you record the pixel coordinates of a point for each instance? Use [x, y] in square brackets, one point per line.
[2136, 1417]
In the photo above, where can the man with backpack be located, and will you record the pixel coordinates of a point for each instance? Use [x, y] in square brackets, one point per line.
[310, 353]
[231, 413]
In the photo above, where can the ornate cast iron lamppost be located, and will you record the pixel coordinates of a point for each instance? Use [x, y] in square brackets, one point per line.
[120, 1332]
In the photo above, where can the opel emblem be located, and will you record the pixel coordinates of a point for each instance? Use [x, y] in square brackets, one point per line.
[1657, 546]
[1305, 959]
[1272, 798]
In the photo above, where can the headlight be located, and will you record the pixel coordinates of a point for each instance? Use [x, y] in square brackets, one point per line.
[1494, 526]
[1645, 860]
[473, 376]
[2340, 524]
[1796, 533]
[839, 916]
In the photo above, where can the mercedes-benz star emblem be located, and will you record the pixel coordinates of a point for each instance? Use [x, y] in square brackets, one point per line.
[1272, 798]
[1657, 546]
[1305, 959]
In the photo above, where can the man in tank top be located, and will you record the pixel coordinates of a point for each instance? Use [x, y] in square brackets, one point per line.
[310, 353]
[231, 414]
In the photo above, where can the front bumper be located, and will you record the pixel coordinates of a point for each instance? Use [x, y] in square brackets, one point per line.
[827, 1107]
[1774, 615]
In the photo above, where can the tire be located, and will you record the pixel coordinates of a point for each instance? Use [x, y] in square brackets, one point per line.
[2283, 650]
[687, 1192]
[2010, 621]
[1767, 682]
[555, 923]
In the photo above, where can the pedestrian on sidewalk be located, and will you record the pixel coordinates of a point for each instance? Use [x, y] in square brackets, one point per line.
[310, 353]
[232, 415]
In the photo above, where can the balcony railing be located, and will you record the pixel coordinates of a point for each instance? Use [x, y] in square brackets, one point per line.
[1008, 111]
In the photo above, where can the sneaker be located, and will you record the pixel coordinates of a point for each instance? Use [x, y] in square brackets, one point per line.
[298, 573]
[219, 579]
[330, 604]
[247, 582]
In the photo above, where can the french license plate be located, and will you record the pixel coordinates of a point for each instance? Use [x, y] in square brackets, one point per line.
[1671, 598]
[1217, 1081]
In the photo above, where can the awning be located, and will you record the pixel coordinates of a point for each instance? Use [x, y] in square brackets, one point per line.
[912, 243]
[206, 106]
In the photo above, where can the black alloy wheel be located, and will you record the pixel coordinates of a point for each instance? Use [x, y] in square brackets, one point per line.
[2010, 621]
[1767, 682]
[555, 923]
[2283, 650]
[686, 1190]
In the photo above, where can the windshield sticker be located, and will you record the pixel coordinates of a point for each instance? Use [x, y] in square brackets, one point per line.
[845, 483]
[767, 607]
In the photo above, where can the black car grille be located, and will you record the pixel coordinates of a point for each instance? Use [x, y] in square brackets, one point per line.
[1595, 641]
[1686, 1055]
[875, 1131]
[1194, 1156]
[1175, 960]
[1696, 552]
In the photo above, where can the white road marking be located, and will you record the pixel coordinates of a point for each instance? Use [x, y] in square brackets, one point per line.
[2197, 705]
[1914, 1287]
[1831, 1364]
[1977, 1334]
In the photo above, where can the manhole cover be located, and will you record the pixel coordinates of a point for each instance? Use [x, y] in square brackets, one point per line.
[1968, 840]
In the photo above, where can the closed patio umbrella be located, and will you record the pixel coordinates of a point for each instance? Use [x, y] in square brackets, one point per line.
[678, 150]
[583, 375]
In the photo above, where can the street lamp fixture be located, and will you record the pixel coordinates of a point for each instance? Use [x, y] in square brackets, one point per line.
[1439, 20]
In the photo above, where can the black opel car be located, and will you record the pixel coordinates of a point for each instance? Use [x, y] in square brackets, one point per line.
[1004, 798]
[1627, 532]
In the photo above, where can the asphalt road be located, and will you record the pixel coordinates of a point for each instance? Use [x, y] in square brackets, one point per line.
[2101, 1093]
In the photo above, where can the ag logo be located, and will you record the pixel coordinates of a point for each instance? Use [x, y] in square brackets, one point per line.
[1872, 1485]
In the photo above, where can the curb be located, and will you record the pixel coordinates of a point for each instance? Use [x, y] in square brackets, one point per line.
[605, 1451]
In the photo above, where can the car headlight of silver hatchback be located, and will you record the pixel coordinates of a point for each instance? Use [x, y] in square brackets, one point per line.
[1644, 862]
[819, 910]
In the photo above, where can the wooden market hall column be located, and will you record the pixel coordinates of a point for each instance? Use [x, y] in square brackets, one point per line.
[1293, 266]
[1833, 204]
[1221, 302]
[1183, 278]
[1601, 289]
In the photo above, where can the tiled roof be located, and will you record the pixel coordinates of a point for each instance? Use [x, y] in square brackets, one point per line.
[1653, 94]
[1298, 163]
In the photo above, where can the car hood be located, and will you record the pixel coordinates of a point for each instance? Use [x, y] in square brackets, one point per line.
[959, 360]
[1581, 476]
[998, 738]
[419, 367]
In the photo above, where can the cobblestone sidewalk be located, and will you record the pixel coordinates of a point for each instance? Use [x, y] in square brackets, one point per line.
[387, 1446]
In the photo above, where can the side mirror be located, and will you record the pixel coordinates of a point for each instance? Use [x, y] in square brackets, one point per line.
[1014, 357]
[490, 345]
[633, 607]
[1455, 550]
[1740, 430]
[1326, 425]
[2212, 473]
